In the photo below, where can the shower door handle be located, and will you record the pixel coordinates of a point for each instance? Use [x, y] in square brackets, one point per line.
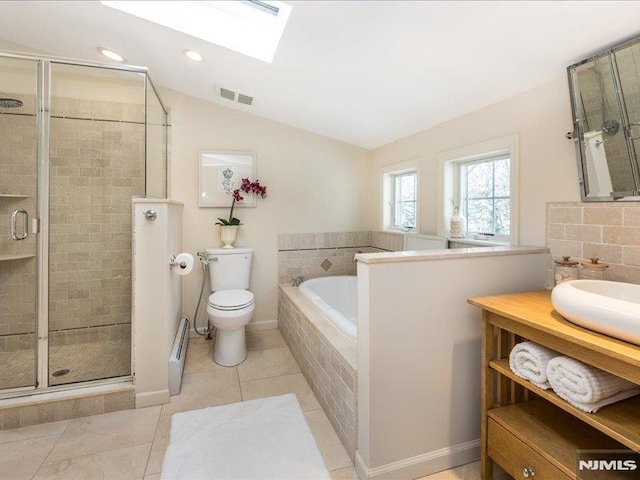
[14, 224]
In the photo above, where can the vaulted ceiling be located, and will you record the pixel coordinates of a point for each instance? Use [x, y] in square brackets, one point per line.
[365, 72]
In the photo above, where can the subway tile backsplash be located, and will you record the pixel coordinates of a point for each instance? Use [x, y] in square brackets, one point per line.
[608, 231]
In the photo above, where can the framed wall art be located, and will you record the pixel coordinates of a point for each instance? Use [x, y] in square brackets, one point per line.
[220, 173]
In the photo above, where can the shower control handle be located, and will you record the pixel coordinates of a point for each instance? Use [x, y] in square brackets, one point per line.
[14, 224]
[150, 215]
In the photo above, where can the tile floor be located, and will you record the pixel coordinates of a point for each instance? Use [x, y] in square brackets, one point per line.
[130, 444]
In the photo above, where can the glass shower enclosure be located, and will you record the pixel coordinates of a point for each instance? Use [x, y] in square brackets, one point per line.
[79, 141]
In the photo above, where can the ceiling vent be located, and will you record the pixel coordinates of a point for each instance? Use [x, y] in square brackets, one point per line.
[233, 96]
[228, 94]
[246, 99]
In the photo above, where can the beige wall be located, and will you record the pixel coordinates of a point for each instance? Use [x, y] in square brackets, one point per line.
[547, 160]
[157, 296]
[418, 375]
[315, 184]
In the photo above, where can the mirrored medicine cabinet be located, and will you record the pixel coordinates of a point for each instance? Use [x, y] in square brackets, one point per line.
[605, 100]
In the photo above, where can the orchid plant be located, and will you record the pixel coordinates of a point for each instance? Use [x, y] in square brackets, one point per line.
[247, 186]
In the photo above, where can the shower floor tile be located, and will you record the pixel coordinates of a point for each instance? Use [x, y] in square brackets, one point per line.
[85, 361]
[90, 361]
[18, 369]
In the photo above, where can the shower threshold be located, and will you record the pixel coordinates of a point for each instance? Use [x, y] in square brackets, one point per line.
[67, 402]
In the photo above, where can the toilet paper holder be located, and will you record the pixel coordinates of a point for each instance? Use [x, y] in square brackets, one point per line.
[174, 262]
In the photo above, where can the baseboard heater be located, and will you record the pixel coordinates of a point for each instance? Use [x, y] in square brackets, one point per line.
[178, 355]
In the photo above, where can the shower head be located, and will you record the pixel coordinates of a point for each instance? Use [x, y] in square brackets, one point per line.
[10, 103]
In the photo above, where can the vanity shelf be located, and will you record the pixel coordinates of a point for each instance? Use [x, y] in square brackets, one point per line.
[6, 258]
[619, 421]
[526, 427]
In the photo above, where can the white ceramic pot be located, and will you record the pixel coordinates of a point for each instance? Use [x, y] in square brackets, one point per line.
[228, 235]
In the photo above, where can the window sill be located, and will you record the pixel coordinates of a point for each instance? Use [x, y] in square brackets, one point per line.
[480, 243]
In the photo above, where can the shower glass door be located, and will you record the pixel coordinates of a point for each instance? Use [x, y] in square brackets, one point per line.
[97, 163]
[18, 244]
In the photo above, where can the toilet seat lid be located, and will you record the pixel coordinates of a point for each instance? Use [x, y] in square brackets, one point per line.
[230, 299]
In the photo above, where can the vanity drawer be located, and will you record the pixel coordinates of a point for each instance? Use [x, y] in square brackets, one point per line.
[514, 456]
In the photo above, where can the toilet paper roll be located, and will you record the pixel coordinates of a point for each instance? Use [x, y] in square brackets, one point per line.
[183, 264]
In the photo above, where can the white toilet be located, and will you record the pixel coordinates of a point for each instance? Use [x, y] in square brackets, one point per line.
[230, 306]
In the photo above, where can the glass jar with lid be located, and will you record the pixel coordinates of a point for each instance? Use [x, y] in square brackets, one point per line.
[593, 269]
[565, 269]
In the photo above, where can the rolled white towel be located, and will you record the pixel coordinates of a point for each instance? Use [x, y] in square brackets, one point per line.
[529, 360]
[587, 388]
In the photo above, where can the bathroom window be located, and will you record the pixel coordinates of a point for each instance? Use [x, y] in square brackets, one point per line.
[400, 197]
[482, 180]
[485, 194]
[405, 188]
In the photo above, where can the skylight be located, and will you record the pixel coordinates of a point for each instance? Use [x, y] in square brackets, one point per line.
[251, 27]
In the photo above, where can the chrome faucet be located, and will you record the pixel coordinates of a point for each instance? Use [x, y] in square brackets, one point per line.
[297, 281]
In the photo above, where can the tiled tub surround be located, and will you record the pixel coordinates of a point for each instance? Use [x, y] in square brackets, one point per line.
[327, 358]
[313, 255]
[608, 231]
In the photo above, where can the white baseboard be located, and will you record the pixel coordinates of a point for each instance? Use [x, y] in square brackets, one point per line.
[193, 334]
[421, 465]
[150, 399]
[251, 327]
[263, 325]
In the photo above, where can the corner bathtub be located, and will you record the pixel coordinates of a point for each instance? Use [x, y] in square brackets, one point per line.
[336, 298]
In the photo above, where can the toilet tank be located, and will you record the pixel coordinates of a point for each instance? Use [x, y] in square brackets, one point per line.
[229, 268]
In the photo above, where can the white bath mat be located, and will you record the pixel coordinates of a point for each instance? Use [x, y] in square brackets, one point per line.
[260, 439]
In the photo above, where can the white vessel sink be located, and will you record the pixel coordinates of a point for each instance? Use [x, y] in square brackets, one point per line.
[611, 308]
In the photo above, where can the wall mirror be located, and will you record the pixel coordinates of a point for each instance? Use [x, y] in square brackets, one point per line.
[605, 100]
[221, 173]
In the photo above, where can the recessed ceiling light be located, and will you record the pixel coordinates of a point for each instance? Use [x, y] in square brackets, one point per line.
[193, 55]
[110, 54]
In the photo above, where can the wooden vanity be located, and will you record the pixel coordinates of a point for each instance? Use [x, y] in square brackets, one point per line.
[533, 433]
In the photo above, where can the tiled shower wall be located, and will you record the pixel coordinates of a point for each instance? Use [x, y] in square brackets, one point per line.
[17, 177]
[608, 231]
[97, 164]
[313, 255]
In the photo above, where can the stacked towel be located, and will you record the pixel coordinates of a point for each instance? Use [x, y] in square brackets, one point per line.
[586, 387]
[529, 360]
